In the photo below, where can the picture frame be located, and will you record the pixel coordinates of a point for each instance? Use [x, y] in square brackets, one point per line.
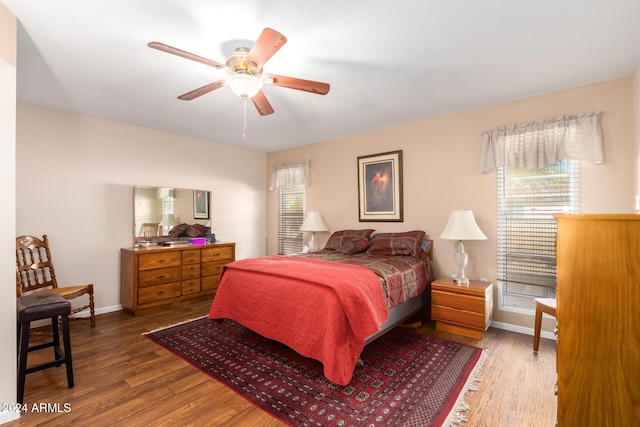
[201, 204]
[380, 195]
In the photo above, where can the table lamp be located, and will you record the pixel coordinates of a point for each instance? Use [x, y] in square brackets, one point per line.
[313, 223]
[461, 226]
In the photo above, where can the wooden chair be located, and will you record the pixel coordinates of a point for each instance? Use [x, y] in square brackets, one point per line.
[543, 305]
[150, 229]
[35, 274]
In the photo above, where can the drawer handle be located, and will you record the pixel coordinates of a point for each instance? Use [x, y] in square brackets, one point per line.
[160, 277]
[160, 261]
[160, 293]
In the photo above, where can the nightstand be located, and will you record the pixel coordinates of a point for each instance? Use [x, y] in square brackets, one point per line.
[462, 309]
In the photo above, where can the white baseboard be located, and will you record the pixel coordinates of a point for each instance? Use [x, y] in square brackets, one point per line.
[101, 310]
[522, 330]
[7, 416]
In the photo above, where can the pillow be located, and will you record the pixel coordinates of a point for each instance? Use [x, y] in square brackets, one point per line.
[354, 247]
[197, 230]
[407, 243]
[178, 230]
[344, 237]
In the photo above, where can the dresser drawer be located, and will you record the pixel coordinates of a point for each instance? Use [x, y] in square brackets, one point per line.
[159, 260]
[462, 317]
[211, 268]
[191, 256]
[209, 283]
[158, 293]
[462, 302]
[190, 286]
[159, 276]
[217, 254]
[191, 271]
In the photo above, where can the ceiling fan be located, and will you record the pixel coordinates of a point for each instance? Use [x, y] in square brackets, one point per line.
[244, 71]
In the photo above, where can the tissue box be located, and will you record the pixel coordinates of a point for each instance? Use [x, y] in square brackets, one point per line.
[195, 241]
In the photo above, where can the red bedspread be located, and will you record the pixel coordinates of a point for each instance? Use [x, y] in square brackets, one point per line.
[320, 309]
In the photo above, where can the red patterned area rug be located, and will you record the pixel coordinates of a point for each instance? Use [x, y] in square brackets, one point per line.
[408, 378]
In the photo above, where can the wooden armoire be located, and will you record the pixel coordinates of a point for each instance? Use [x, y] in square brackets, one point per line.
[598, 314]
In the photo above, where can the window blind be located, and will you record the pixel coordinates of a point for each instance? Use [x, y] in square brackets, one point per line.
[527, 200]
[290, 218]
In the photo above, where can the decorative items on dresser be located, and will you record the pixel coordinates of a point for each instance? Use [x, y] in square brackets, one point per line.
[598, 295]
[156, 278]
[463, 309]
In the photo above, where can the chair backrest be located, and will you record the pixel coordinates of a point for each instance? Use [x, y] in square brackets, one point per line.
[34, 268]
[150, 229]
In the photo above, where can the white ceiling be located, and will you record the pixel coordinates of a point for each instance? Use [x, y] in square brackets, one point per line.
[388, 62]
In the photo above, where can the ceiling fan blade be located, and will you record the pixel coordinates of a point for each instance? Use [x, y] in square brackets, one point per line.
[179, 52]
[202, 90]
[262, 104]
[300, 84]
[269, 42]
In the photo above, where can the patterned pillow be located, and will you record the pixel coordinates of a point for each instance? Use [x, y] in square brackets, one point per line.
[407, 243]
[354, 247]
[345, 237]
[178, 230]
[197, 230]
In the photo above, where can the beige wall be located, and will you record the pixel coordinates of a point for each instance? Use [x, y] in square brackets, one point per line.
[8, 46]
[636, 135]
[441, 172]
[75, 177]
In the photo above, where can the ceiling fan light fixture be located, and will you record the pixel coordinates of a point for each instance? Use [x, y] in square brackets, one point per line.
[244, 85]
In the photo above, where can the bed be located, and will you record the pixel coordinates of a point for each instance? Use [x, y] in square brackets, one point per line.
[328, 305]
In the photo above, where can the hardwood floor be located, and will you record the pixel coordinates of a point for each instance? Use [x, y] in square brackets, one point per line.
[122, 378]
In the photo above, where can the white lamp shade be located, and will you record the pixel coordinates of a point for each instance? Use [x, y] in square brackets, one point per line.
[314, 222]
[244, 84]
[168, 220]
[462, 226]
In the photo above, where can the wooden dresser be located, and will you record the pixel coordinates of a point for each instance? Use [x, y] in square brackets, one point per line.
[157, 278]
[462, 309]
[598, 314]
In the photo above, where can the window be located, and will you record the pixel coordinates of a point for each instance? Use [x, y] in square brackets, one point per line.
[291, 180]
[291, 209]
[527, 200]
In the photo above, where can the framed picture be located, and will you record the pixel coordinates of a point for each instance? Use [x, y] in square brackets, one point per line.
[380, 187]
[201, 204]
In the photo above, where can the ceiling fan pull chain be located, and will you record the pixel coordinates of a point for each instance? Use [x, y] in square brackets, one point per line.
[244, 111]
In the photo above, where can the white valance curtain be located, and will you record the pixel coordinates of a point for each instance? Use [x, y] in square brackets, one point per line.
[543, 143]
[292, 174]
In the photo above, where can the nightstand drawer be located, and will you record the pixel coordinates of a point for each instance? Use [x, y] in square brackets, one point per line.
[462, 317]
[462, 302]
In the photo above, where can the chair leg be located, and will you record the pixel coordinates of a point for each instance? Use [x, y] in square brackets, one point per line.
[23, 349]
[92, 309]
[55, 333]
[538, 326]
[66, 337]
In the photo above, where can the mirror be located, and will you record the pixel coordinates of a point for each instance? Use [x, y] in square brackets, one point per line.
[157, 210]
